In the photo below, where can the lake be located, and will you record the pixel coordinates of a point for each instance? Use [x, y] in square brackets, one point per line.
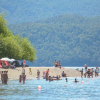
[54, 90]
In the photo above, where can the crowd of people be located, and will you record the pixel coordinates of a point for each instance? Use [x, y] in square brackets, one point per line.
[50, 78]
[85, 72]
[5, 66]
[89, 72]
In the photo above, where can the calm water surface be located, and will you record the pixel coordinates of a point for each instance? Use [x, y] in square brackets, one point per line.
[54, 90]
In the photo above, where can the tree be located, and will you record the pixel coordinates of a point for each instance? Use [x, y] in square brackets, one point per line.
[27, 51]
[14, 46]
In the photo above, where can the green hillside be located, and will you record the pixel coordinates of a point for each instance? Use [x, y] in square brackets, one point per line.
[73, 39]
[18, 11]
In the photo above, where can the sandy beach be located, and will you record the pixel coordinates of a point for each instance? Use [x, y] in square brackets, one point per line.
[13, 74]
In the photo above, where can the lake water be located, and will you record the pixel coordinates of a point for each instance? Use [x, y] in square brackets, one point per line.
[54, 90]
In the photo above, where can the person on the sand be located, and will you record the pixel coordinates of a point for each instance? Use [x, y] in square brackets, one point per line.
[47, 71]
[63, 74]
[30, 71]
[59, 77]
[59, 64]
[23, 71]
[55, 63]
[38, 73]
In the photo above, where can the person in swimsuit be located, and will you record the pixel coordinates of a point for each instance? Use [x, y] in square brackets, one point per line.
[46, 75]
[57, 77]
[63, 74]
[55, 63]
[85, 67]
[30, 71]
[59, 64]
[97, 71]
[81, 73]
[23, 71]
[66, 80]
[38, 74]
[91, 72]
[76, 80]
[47, 71]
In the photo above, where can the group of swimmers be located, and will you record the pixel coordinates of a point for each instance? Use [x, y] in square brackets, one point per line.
[73, 81]
[57, 64]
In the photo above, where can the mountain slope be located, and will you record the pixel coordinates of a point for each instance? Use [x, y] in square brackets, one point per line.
[19, 11]
[75, 40]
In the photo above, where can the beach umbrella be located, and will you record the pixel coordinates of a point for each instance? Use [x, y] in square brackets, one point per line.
[5, 59]
[12, 60]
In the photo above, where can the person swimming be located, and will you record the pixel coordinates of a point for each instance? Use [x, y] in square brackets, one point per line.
[66, 80]
[76, 80]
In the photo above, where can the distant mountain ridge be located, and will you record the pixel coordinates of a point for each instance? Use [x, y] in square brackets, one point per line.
[19, 11]
[73, 39]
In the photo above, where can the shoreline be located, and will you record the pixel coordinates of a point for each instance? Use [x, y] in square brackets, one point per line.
[13, 74]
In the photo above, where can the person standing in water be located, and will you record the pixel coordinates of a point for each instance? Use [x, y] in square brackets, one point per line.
[91, 72]
[23, 75]
[23, 71]
[66, 80]
[76, 80]
[98, 71]
[85, 67]
[81, 73]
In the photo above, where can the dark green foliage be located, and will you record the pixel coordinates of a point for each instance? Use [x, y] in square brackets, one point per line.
[14, 46]
[18, 11]
[75, 40]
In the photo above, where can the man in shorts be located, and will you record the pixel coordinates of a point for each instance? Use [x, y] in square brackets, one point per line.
[85, 67]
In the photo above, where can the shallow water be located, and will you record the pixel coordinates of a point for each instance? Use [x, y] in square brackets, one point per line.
[54, 90]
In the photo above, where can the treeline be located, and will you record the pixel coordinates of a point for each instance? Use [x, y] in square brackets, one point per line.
[18, 11]
[12, 46]
[75, 40]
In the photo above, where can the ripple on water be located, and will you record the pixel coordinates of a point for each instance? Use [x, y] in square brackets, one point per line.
[54, 90]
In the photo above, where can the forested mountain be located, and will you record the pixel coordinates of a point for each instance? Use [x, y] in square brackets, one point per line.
[73, 39]
[18, 11]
